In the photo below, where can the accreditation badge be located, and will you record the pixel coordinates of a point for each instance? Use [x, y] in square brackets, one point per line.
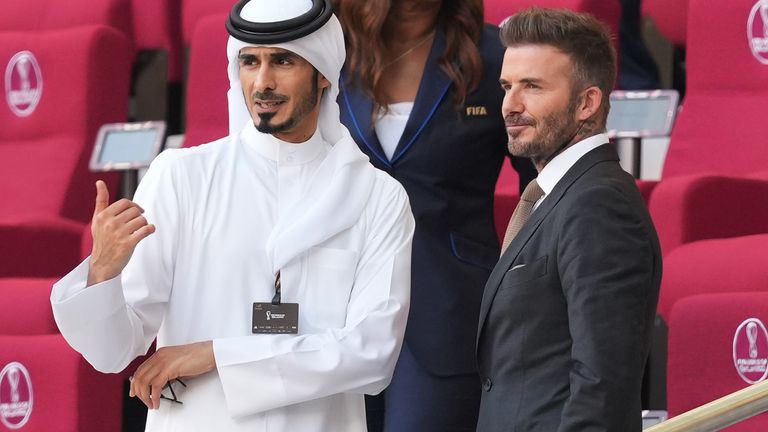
[269, 318]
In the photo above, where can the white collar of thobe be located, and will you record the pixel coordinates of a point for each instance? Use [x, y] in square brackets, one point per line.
[344, 179]
[554, 171]
[283, 152]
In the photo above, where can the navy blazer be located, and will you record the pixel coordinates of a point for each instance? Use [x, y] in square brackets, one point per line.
[448, 159]
[565, 323]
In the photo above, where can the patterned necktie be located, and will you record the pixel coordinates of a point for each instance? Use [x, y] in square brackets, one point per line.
[522, 212]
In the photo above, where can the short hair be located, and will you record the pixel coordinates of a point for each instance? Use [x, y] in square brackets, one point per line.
[585, 39]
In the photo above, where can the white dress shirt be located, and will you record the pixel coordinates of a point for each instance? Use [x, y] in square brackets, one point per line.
[197, 277]
[554, 171]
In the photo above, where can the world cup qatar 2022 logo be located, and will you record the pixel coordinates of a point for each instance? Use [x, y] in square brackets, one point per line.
[750, 351]
[15, 395]
[757, 31]
[23, 83]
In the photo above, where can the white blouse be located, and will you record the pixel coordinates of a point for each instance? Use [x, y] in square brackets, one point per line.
[389, 125]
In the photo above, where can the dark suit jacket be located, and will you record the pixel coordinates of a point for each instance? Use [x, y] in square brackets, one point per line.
[567, 312]
[448, 160]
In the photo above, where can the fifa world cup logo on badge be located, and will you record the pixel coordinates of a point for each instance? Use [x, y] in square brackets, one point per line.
[23, 83]
[757, 31]
[15, 396]
[750, 351]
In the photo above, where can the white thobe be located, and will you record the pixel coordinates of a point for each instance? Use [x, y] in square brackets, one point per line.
[196, 278]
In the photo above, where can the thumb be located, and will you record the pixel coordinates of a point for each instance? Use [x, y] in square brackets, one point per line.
[102, 197]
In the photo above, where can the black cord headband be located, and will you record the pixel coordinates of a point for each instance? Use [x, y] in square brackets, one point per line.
[278, 31]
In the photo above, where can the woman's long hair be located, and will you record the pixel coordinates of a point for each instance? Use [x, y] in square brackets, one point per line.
[363, 21]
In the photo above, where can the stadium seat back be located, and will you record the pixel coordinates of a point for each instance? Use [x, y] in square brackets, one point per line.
[45, 15]
[156, 26]
[608, 12]
[60, 87]
[207, 112]
[54, 388]
[670, 18]
[717, 345]
[720, 128]
[193, 11]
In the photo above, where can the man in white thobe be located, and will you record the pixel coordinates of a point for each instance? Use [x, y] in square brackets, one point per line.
[287, 198]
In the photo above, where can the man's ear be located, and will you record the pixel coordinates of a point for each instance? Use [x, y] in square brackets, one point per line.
[322, 83]
[590, 103]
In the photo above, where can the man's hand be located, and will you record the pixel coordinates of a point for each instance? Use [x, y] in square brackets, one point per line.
[116, 230]
[169, 363]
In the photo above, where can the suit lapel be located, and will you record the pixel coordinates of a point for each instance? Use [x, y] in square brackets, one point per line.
[433, 88]
[603, 153]
[359, 107]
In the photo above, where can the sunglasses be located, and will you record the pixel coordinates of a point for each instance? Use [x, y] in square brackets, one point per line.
[173, 397]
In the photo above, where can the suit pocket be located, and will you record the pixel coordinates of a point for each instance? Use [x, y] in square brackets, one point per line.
[472, 252]
[528, 272]
[331, 275]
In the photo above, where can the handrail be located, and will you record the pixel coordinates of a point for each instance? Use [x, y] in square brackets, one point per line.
[723, 412]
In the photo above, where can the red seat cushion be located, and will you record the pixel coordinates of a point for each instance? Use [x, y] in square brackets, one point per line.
[26, 307]
[714, 266]
[691, 208]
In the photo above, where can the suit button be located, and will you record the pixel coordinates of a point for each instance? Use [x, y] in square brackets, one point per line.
[487, 384]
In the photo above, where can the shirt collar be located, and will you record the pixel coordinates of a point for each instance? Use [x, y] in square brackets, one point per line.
[283, 152]
[560, 164]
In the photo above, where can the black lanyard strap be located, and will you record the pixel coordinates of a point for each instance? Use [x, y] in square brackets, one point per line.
[276, 298]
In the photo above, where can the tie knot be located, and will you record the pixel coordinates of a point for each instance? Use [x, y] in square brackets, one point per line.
[532, 192]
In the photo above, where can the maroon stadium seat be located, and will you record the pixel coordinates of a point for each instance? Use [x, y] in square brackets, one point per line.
[670, 17]
[59, 14]
[719, 132]
[714, 266]
[717, 345]
[156, 26]
[607, 11]
[26, 307]
[55, 388]
[193, 11]
[60, 94]
[207, 115]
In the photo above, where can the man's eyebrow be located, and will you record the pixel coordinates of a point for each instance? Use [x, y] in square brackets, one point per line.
[538, 81]
[246, 56]
[283, 55]
[531, 81]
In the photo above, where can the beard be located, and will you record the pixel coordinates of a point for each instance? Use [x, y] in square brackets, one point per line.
[306, 104]
[552, 133]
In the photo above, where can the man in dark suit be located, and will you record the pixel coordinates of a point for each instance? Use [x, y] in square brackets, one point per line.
[566, 315]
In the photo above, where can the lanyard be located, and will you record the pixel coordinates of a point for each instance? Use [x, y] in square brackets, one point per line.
[276, 298]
